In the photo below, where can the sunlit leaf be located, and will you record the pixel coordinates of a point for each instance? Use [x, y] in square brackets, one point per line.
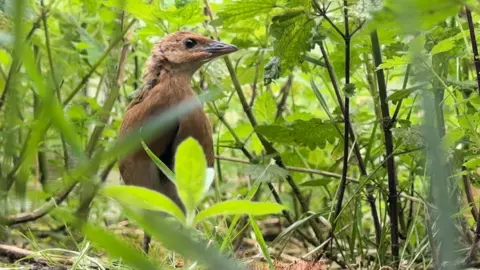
[239, 207]
[265, 108]
[143, 198]
[190, 169]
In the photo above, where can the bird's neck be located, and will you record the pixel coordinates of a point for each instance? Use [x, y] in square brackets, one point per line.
[164, 80]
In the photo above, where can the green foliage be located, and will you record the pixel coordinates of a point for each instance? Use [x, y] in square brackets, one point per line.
[190, 169]
[292, 33]
[265, 108]
[312, 133]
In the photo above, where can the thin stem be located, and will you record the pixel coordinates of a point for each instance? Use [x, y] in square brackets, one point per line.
[473, 40]
[392, 185]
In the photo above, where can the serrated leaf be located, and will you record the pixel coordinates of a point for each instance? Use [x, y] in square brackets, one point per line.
[143, 198]
[312, 133]
[190, 169]
[268, 173]
[272, 70]
[234, 207]
[443, 46]
[293, 32]
[265, 108]
[241, 10]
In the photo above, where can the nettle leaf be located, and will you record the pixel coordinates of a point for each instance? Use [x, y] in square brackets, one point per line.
[235, 207]
[265, 108]
[396, 61]
[190, 169]
[241, 10]
[189, 14]
[443, 46]
[292, 31]
[264, 173]
[272, 70]
[312, 133]
[138, 9]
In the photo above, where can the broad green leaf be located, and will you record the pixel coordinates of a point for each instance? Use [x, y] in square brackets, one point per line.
[400, 94]
[234, 207]
[265, 108]
[181, 240]
[117, 248]
[164, 168]
[240, 10]
[190, 168]
[269, 173]
[143, 198]
[312, 133]
[396, 61]
[317, 182]
[443, 46]
[473, 163]
[292, 31]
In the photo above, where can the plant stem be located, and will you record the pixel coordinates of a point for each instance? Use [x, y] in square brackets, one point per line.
[392, 185]
[473, 39]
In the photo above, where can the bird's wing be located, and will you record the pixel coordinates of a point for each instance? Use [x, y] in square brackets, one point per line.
[137, 168]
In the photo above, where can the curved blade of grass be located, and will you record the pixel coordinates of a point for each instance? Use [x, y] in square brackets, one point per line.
[261, 241]
[239, 207]
[164, 168]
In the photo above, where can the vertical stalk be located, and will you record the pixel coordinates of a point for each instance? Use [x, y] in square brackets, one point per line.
[392, 185]
[473, 39]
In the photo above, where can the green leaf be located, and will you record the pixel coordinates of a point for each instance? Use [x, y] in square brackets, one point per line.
[143, 198]
[349, 90]
[293, 32]
[443, 46]
[400, 94]
[317, 182]
[190, 168]
[180, 239]
[164, 168]
[312, 133]
[473, 163]
[117, 248]
[396, 61]
[265, 108]
[234, 207]
[241, 10]
[272, 70]
[270, 173]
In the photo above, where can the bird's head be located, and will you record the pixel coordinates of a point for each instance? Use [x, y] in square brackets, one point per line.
[186, 51]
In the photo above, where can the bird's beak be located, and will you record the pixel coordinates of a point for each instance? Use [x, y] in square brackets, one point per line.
[217, 48]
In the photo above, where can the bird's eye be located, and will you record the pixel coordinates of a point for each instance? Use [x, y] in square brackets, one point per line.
[189, 43]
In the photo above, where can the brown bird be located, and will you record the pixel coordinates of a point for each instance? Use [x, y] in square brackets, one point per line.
[167, 77]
